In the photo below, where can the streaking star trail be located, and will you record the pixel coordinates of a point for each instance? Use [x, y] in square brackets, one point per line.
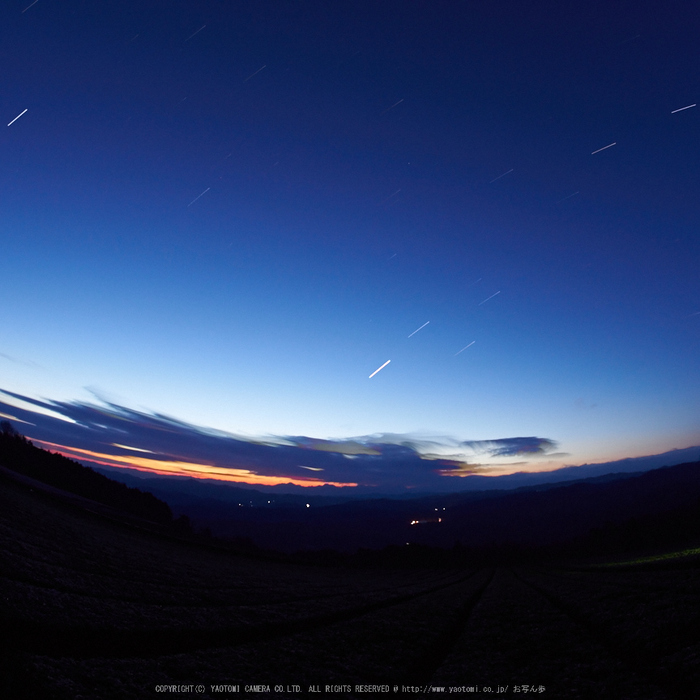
[683, 108]
[392, 107]
[195, 34]
[380, 369]
[500, 176]
[417, 329]
[491, 297]
[256, 72]
[610, 145]
[198, 196]
[17, 117]
[465, 347]
[569, 196]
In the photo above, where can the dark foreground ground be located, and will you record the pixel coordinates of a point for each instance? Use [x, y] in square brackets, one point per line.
[94, 608]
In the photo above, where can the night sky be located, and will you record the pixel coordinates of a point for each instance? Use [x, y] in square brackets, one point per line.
[220, 218]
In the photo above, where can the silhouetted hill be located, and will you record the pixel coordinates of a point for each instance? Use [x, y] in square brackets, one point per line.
[20, 455]
[630, 465]
[569, 511]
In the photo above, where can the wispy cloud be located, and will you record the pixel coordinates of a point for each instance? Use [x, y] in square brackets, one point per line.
[511, 447]
[10, 358]
[113, 435]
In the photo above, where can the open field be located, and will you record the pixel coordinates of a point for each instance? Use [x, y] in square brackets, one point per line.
[94, 608]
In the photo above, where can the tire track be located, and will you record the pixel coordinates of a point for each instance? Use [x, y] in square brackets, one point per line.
[423, 669]
[223, 593]
[635, 658]
[689, 629]
[84, 642]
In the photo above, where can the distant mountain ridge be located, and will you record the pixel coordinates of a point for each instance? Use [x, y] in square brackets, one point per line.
[181, 490]
[537, 515]
[476, 482]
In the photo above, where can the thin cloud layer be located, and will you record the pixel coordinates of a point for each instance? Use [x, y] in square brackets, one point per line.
[117, 436]
[512, 447]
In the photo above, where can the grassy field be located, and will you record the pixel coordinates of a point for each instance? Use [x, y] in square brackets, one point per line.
[93, 608]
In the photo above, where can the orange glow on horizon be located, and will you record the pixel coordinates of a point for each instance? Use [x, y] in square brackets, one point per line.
[179, 468]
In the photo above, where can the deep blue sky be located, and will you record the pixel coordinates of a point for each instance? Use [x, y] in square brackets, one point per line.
[366, 167]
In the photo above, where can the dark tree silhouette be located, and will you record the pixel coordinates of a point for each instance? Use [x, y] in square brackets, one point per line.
[7, 429]
[20, 455]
